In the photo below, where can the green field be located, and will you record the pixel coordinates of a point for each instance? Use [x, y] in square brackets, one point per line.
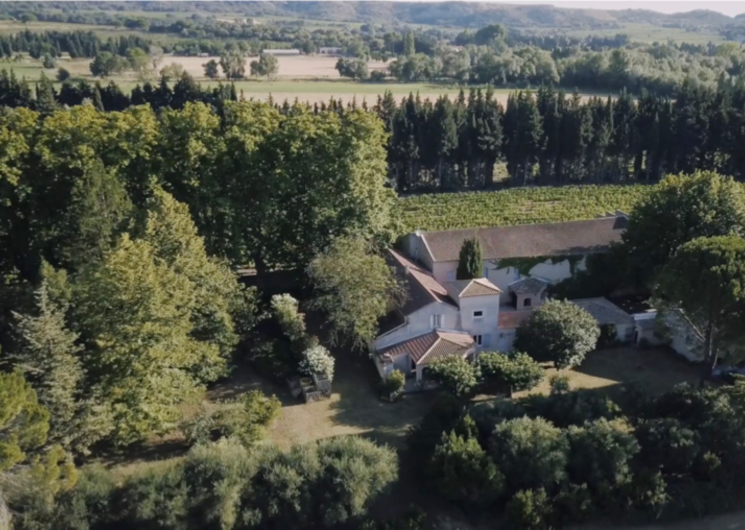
[648, 34]
[449, 211]
[100, 30]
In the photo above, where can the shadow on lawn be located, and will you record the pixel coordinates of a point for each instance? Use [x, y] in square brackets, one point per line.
[360, 406]
[656, 370]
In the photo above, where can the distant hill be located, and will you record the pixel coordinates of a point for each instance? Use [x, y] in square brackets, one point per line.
[461, 14]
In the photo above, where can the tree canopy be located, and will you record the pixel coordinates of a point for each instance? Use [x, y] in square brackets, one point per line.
[560, 332]
[704, 204]
[355, 287]
[703, 285]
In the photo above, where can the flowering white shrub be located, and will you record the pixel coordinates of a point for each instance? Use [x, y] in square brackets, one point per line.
[317, 361]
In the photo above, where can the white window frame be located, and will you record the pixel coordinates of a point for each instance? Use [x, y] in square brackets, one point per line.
[478, 317]
[478, 339]
[435, 321]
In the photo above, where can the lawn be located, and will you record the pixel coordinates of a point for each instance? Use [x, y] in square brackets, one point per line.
[656, 370]
[354, 407]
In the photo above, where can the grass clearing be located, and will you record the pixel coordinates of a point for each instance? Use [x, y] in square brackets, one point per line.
[353, 409]
[656, 370]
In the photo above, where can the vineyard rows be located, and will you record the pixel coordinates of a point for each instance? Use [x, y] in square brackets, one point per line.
[449, 211]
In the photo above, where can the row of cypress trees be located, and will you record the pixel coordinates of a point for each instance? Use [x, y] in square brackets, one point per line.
[546, 137]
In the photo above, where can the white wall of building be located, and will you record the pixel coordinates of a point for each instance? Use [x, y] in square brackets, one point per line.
[418, 323]
[505, 340]
[502, 277]
[415, 248]
[484, 326]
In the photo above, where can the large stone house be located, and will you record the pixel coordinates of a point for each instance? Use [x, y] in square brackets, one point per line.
[445, 317]
[552, 252]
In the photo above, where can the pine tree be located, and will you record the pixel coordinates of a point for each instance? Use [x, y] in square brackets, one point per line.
[98, 210]
[45, 96]
[49, 357]
[469, 260]
[97, 101]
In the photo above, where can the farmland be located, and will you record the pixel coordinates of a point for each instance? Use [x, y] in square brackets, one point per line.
[312, 79]
[514, 206]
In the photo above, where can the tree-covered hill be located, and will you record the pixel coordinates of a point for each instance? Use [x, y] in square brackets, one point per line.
[472, 14]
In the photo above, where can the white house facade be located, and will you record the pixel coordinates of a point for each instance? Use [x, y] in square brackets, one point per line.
[463, 317]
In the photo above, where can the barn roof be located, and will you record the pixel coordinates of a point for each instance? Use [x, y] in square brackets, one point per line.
[530, 241]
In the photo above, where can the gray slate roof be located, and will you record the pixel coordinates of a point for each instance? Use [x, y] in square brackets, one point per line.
[530, 241]
[604, 311]
[528, 285]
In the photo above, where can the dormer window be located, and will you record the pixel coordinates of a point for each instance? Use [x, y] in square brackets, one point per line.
[478, 314]
[435, 321]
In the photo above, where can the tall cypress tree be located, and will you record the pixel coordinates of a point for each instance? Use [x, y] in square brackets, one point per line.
[469, 260]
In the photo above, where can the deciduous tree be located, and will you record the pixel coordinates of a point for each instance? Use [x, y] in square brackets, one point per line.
[24, 423]
[355, 287]
[560, 332]
[464, 472]
[136, 315]
[704, 204]
[456, 375]
[210, 69]
[511, 371]
[703, 285]
[267, 65]
[531, 453]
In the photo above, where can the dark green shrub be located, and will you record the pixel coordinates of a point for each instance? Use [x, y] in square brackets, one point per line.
[456, 375]
[393, 384]
[156, 499]
[532, 453]
[529, 510]
[88, 505]
[463, 472]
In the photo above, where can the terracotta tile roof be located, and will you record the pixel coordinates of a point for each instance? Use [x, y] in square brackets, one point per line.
[474, 287]
[604, 311]
[421, 286]
[431, 346]
[530, 241]
[528, 285]
[480, 287]
[512, 319]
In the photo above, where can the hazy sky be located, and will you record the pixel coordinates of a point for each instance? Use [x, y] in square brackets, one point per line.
[731, 8]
